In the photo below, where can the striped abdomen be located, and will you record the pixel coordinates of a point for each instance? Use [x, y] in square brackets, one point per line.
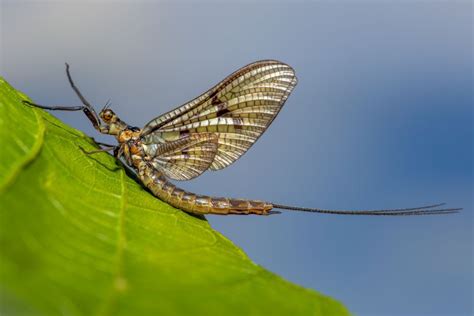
[193, 203]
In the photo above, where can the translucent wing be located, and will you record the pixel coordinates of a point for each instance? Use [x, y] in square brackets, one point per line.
[184, 158]
[237, 111]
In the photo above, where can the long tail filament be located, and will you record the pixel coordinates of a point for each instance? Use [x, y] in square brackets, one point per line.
[421, 210]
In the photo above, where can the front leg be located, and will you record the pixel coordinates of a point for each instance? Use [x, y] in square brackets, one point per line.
[94, 118]
[87, 108]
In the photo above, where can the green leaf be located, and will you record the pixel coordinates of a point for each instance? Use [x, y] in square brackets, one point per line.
[80, 237]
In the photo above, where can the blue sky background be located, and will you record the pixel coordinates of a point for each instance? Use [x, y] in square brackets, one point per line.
[382, 117]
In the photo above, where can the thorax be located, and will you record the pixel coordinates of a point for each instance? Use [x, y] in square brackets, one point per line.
[131, 147]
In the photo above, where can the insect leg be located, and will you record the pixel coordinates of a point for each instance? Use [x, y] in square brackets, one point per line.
[108, 148]
[86, 107]
[57, 107]
[101, 143]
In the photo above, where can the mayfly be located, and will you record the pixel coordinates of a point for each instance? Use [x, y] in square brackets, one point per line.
[209, 132]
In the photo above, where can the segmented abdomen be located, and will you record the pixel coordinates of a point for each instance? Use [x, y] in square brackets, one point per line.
[193, 203]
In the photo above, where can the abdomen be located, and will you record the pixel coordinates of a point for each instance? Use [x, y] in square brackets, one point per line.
[194, 203]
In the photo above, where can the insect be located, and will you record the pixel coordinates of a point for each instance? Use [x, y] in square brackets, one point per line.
[209, 132]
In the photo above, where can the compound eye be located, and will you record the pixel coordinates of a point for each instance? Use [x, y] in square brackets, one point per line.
[107, 115]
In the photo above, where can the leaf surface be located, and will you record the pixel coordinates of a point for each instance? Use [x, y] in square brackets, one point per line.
[80, 237]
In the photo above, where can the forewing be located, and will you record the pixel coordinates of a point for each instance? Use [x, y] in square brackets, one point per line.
[237, 110]
[184, 158]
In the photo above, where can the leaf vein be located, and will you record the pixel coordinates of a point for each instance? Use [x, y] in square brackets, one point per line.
[9, 179]
[119, 283]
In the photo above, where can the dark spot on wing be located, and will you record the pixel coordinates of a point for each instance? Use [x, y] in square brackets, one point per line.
[185, 153]
[215, 100]
[222, 112]
[238, 123]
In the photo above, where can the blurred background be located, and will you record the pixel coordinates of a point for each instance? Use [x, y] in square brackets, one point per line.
[382, 117]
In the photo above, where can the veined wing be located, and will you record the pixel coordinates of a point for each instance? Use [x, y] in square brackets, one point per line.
[237, 110]
[184, 158]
